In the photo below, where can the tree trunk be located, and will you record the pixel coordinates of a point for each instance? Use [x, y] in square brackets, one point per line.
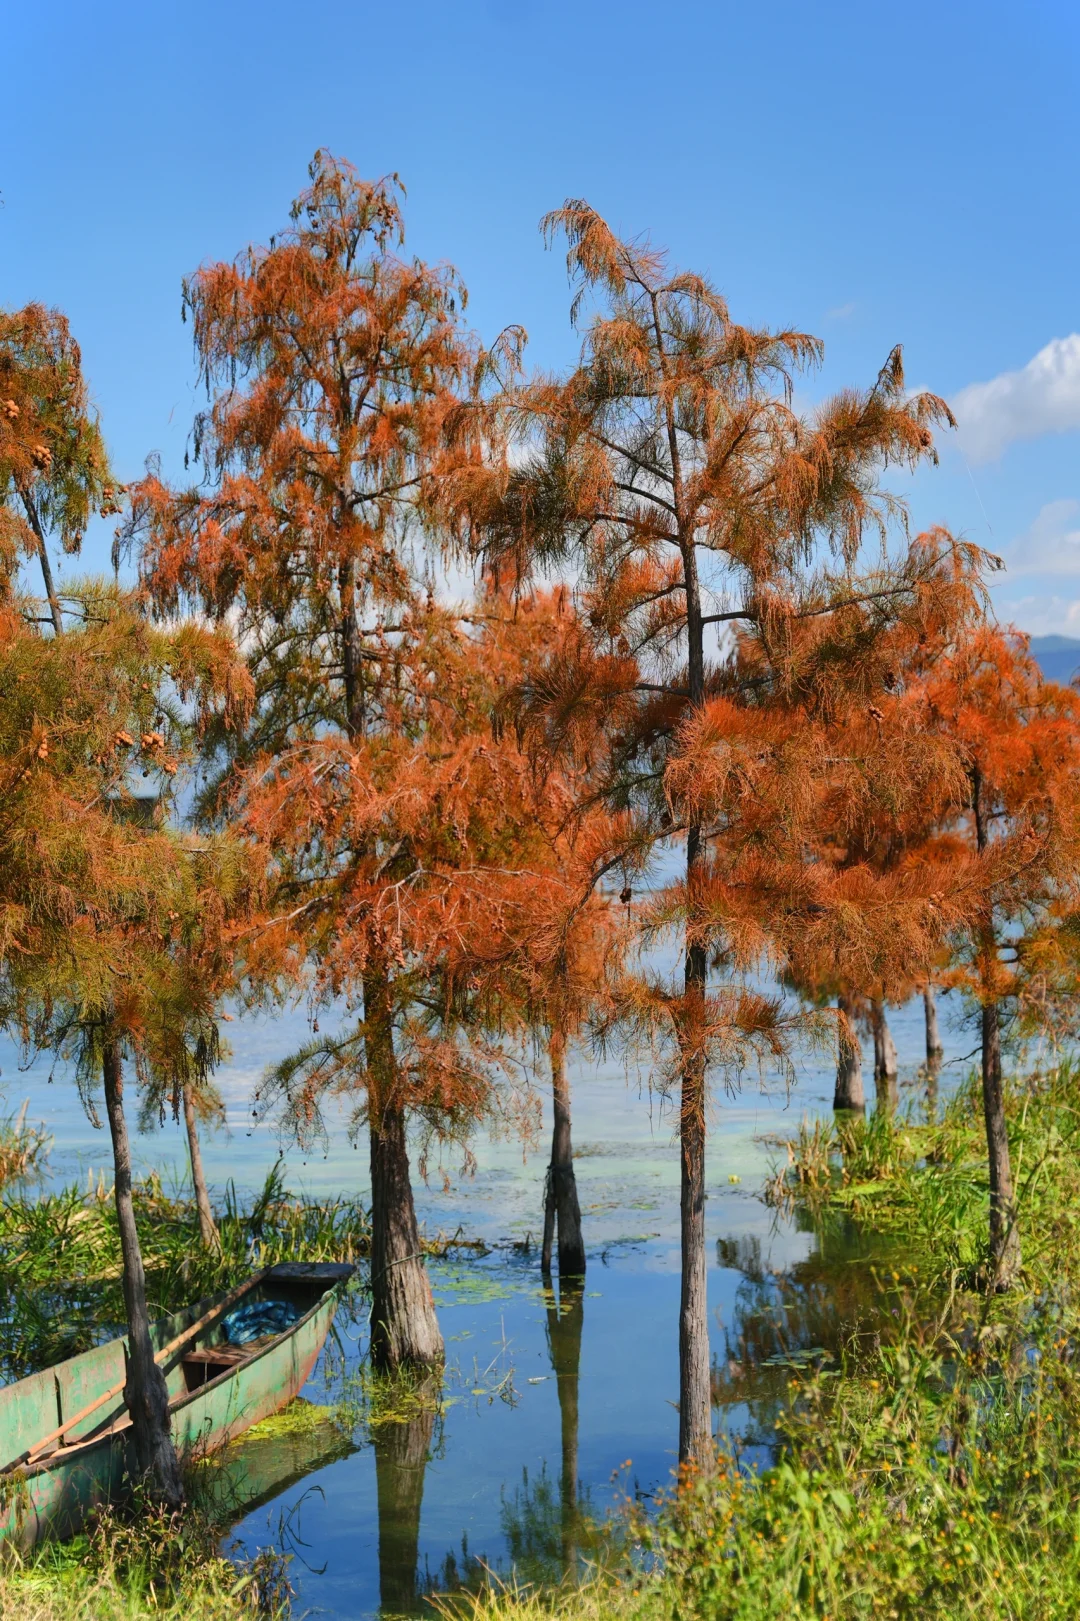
[695, 1385]
[401, 1457]
[145, 1392]
[1004, 1232]
[886, 1065]
[560, 1195]
[34, 519]
[849, 1083]
[933, 1072]
[207, 1225]
[547, 1243]
[404, 1327]
[564, 1323]
[352, 663]
[935, 1052]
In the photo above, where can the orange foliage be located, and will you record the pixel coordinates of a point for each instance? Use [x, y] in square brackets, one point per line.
[671, 473]
[1018, 737]
[669, 468]
[416, 848]
[111, 925]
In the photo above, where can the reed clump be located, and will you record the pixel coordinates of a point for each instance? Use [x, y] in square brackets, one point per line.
[927, 1185]
[60, 1272]
[24, 1149]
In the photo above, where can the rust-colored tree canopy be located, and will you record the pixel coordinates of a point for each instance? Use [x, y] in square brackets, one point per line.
[369, 766]
[333, 365]
[104, 910]
[672, 471]
[397, 817]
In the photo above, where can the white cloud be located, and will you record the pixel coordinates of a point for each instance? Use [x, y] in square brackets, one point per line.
[1042, 397]
[1050, 545]
[1046, 558]
[1041, 615]
[842, 312]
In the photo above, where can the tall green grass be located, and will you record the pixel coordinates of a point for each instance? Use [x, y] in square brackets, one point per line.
[165, 1571]
[104, 1597]
[927, 1184]
[60, 1273]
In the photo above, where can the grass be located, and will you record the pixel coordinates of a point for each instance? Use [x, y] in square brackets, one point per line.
[138, 1563]
[925, 1186]
[102, 1597]
[213, 1591]
[924, 1467]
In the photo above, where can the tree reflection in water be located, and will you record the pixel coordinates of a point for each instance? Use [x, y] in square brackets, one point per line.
[800, 1317]
[548, 1528]
[565, 1317]
[402, 1448]
[546, 1525]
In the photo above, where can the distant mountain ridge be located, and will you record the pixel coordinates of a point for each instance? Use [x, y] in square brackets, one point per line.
[1058, 657]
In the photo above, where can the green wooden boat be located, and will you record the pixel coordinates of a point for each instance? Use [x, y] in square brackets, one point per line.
[217, 1390]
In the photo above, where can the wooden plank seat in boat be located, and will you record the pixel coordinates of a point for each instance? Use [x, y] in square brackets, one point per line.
[205, 1362]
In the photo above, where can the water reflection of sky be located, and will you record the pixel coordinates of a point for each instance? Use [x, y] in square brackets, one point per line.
[487, 1471]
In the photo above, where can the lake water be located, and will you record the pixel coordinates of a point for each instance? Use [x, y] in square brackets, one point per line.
[548, 1406]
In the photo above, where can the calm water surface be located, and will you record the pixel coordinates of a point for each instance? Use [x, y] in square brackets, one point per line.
[547, 1404]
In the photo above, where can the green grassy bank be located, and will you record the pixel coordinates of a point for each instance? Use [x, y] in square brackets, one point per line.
[108, 1595]
[142, 1563]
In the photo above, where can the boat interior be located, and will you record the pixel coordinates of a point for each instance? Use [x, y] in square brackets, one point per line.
[294, 1285]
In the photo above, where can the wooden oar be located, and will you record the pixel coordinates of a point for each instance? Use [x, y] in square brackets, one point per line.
[32, 1453]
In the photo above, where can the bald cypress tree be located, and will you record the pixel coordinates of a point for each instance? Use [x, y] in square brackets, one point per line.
[1018, 737]
[372, 769]
[670, 473]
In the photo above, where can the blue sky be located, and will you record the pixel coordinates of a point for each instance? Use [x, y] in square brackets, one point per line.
[871, 173]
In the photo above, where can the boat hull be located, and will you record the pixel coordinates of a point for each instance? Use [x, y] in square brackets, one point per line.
[54, 1498]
